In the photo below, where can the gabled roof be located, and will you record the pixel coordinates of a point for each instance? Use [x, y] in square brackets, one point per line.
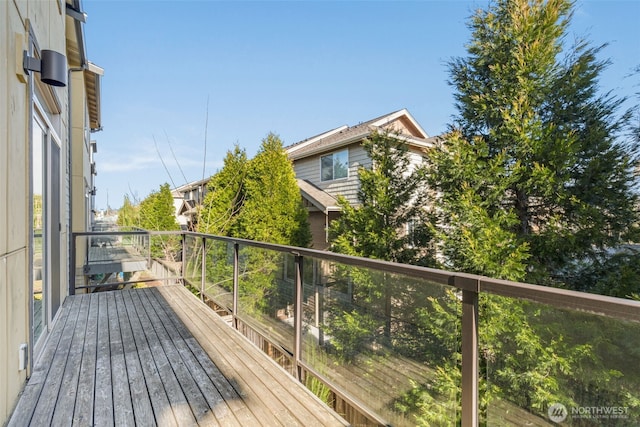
[345, 135]
[188, 207]
[177, 192]
[318, 198]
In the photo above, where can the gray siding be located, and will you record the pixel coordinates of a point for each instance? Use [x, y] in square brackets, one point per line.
[309, 169]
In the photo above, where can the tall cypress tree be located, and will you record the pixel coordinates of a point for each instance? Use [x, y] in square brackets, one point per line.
[535, 172]
[221, 206]
[273, 210]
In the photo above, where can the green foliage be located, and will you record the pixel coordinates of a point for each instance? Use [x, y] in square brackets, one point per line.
[272, 210]
[256, 199]
[157, 213]
[351, 332]
[392, 194]
[614, 274]
[225, 198]
[128, 214]
[318, 388]
[535, 172]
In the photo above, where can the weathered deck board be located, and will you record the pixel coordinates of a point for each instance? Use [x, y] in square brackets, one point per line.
[282, 396]
[158, 356]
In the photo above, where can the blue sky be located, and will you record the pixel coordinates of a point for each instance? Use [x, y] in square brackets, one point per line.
[293, 68]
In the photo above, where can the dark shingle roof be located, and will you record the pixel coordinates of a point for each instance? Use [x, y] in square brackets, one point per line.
[344, 135]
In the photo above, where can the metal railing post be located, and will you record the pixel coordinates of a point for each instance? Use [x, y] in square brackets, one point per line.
[318, 298]
[469, 358]
[149, 249]
[183, 272]
[72, 266]
[297, 347]
[203, 271]
[236, 282]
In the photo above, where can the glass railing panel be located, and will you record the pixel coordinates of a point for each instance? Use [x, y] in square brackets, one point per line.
[193, 262]
[106, 261]
[266, 294]
[166, 248]
[388, 340]
[218, 287]
[541, 365]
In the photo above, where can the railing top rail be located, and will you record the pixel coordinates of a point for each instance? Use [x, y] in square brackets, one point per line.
[126, 233]
[561, 298]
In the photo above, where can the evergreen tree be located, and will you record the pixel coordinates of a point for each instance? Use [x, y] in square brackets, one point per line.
[256, 199]
[128, 214]
[158, 213]
[534, 173]
[390, 221]
[272, 210]
[222, 204]
[535, 180]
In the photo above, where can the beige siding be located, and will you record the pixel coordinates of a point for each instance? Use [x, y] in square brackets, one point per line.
[48, 21]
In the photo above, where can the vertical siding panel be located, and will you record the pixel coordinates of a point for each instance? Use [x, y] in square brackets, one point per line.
[6, 395]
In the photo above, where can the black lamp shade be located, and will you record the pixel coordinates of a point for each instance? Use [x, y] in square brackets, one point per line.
[53, 68]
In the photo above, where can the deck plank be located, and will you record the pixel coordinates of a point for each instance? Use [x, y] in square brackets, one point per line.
[83, 411]
[178, 403]
[157, 393]
[141, 403]
[23, 412]
[158, 356]
[43, 413]
[103, 403]
[288, 401]
[122, 402]
[69, 389]
[216, 349]
[206, 402]
[185, 382]
[231, 396]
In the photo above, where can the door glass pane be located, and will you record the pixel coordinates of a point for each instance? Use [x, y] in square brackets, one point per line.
[39, 232]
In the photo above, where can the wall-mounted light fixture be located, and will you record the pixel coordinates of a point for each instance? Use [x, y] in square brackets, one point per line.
[52, 67]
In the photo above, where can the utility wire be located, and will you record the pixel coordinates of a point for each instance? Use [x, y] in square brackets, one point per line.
[175, 158]
[163, 164]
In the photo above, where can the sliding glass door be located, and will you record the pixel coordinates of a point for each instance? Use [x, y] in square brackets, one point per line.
[46, 239]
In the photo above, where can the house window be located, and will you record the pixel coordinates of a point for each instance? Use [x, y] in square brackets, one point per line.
[334, 166]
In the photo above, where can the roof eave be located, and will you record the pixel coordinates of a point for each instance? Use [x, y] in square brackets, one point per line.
[92, 78]
[333, 146]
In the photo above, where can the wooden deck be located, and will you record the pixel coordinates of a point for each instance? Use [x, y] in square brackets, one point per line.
[158, 356]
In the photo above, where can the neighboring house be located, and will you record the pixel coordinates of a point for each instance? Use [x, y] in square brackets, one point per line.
[326, 165]
[186, 200]
[49, 105]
